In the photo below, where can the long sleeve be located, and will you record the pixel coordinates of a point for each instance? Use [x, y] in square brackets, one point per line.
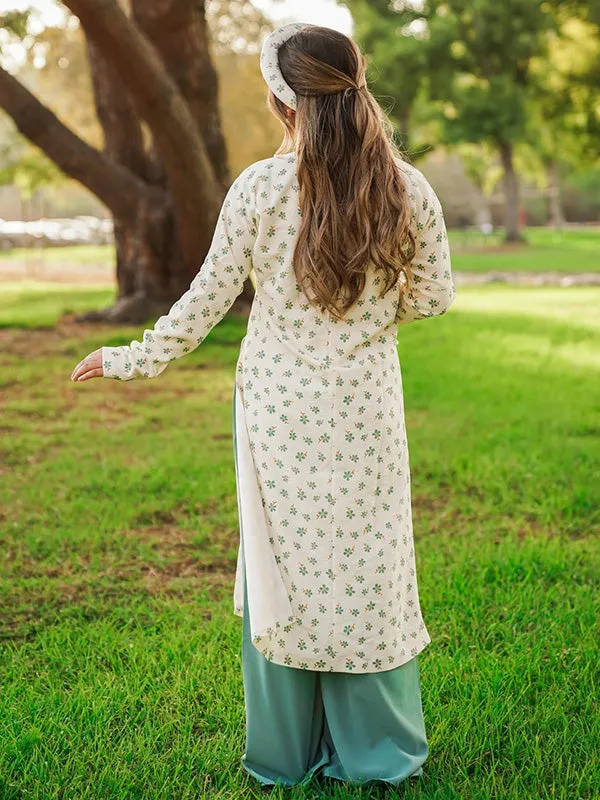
[211, 294]
[429, 288]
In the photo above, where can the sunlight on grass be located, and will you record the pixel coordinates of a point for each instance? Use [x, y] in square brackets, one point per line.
[80, 253]
[35, 304]
[578, 306]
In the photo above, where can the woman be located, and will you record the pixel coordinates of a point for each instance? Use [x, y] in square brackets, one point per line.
[346, 241]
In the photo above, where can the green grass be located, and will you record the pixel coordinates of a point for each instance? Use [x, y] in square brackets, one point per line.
[120, 657]
[79, 253]
[35, 304]
[569, 251]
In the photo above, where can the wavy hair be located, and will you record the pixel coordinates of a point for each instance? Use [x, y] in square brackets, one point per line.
[353, 199]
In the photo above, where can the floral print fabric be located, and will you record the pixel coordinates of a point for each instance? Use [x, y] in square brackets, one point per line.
[321, 403]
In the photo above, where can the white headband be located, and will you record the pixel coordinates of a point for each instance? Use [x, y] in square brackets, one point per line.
[269, 62]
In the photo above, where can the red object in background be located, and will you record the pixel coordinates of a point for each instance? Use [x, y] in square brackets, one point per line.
[522, 217]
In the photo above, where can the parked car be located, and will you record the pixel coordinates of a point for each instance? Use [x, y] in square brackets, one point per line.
[55, 232]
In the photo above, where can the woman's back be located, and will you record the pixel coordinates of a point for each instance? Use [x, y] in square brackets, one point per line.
[368, 329]
[322, 454]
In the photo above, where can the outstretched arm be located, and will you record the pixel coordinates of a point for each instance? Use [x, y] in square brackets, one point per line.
[429, 289]
[211, 294]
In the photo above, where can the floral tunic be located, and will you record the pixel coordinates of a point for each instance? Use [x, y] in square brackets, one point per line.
[321, 455]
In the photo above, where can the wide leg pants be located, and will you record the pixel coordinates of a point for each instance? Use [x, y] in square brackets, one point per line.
[352, 727]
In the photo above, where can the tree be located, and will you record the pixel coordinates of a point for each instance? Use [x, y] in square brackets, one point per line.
[485, 92]
[475, 59]
[565, 114]
[164, 181]
[400, 57]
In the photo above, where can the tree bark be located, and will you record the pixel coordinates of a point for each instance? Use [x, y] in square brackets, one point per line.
[557, 215]
[511, 194]
[178, 30]
[145, 247]
[123, 142]
[123, 139]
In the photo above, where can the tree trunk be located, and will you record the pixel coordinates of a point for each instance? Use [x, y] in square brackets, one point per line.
[511, 195]
[150, 270]
[179, 32]
[123, 143]
[557, 216]
[195, 191]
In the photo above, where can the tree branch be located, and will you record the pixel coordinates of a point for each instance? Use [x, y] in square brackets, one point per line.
[196, 192]
[116, 186]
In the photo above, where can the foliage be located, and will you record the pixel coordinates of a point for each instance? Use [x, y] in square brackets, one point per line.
[23, 165]
[400, 58]
[486, 86]
[474, 58]
[480, 165]
[564, 113]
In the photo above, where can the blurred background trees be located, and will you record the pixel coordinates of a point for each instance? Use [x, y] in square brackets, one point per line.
[144, 110]
[519, 76]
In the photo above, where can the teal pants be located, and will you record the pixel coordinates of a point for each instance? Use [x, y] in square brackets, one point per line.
[352, 727]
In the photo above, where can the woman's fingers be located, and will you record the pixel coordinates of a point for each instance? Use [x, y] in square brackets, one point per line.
[93, 373]
[90, 367]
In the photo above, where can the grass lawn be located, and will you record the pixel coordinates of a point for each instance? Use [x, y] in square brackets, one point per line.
[81, 253]
[569, 251]
[119, 650]
[37, 304]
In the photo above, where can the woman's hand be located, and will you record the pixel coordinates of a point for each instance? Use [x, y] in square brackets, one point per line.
[90, 367]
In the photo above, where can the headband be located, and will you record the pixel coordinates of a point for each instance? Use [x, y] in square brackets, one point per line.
[269, 62]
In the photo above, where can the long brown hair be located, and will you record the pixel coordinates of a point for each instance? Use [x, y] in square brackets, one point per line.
[353, 200]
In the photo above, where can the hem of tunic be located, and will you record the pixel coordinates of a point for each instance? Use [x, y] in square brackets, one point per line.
[285, 659]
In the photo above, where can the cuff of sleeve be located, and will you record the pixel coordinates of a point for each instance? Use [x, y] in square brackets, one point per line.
[114, 363]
